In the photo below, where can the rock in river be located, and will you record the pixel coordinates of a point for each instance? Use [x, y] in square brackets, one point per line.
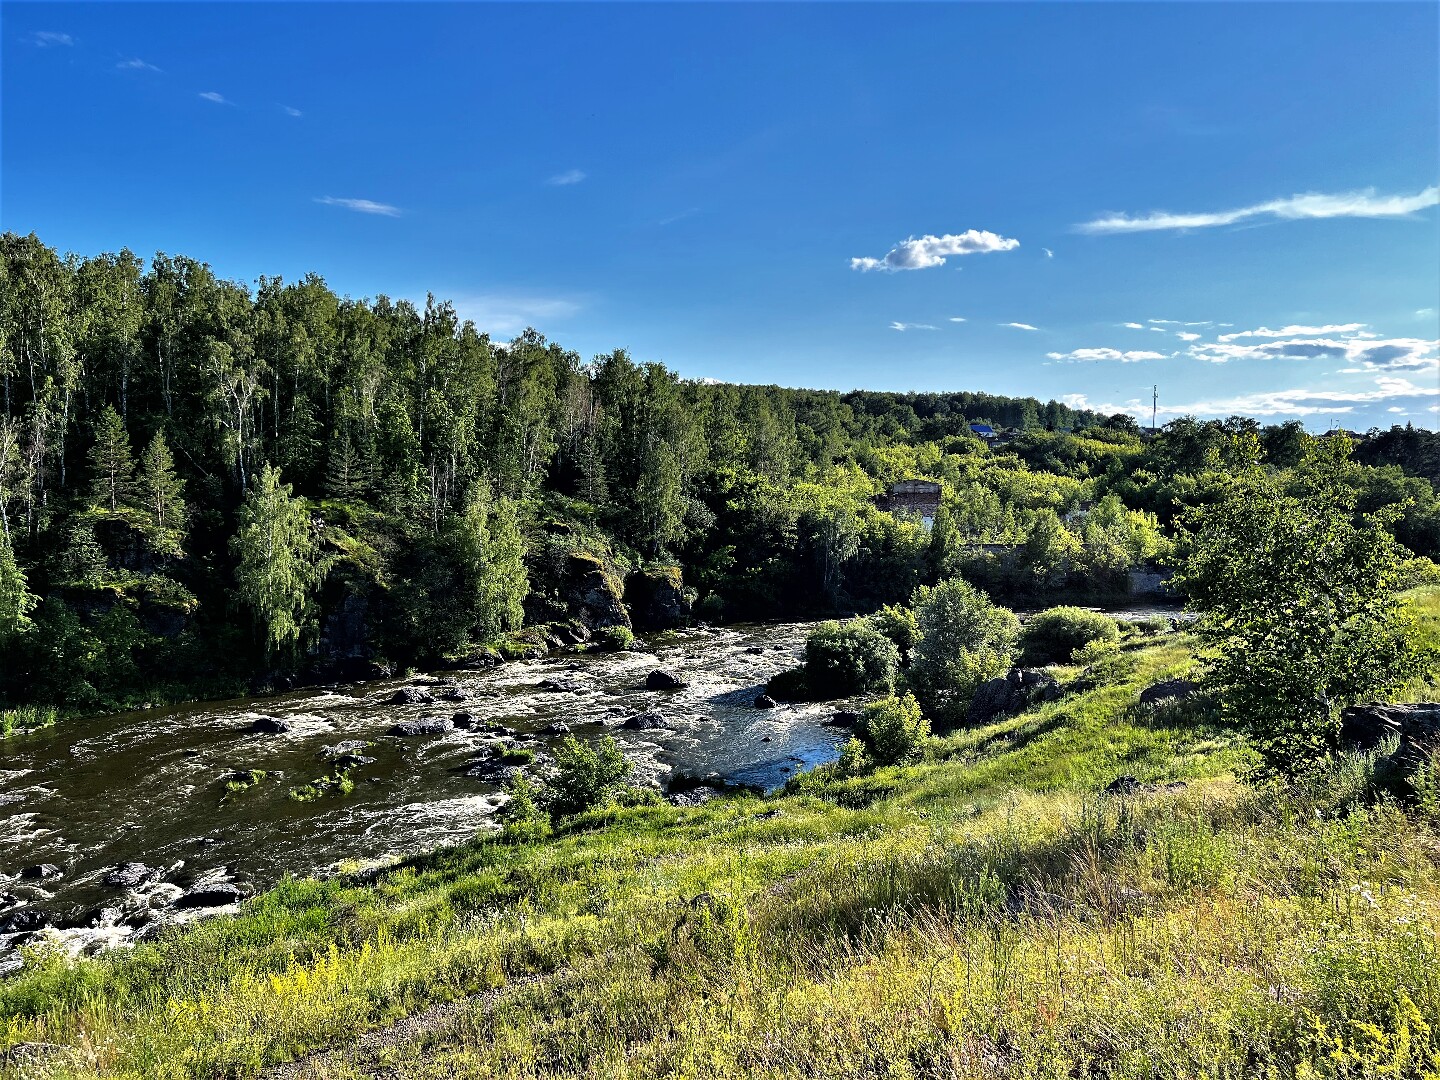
[41, 872]
[764, 701]
[433, 726]
[411, 695]
[269, 725]
[660, 679]
[220, 895]
[130, 875]
[645, 721]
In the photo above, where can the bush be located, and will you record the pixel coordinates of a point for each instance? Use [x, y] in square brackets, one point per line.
[965, 640]
[898, 624]
[516, 755]
[1052, 636]
[614, 638]
[584, 777]
[789, 685]
[853, 658]
[893, 729]
[524, 818]
[1153, 624]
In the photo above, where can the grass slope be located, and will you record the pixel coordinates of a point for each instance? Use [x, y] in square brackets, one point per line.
[986, 912]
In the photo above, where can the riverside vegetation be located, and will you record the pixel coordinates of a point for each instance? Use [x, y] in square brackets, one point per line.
[1170, 852]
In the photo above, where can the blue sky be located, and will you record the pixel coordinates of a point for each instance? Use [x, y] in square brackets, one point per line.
[1234, 201]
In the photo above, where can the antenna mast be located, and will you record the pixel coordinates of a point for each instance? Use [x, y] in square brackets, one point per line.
[1154, 406]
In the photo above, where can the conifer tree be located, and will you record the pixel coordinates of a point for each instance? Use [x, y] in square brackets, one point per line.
[162, 497]
[111, 462]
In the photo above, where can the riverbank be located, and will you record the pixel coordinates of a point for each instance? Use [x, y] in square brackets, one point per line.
[990, 911]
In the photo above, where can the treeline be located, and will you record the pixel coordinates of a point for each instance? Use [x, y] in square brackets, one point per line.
[200, 480]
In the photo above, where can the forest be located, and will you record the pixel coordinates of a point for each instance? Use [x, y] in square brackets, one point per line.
[206, 486]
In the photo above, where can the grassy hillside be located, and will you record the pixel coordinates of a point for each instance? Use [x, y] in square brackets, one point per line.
[987, 912]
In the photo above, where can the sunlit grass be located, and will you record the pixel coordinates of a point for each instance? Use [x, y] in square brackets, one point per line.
[986, 911]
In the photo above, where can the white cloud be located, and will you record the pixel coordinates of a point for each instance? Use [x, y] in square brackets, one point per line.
[1020, 325]
[1366, 354]
[903, 326]
[1107, 354]
[957, 318]
[361, 206]
[1303, 402]
[1132, 326]
[565, 179]
[1048, 253]
[135, 64]
[1397, 409]
[1181, 322]
[503, 315]
[218, 99]
[47, 38]
[1425, 311]
[920, 253]
[1159, 330]
[1361, 204]
[1295, 331]
[290, 110]
[1186, 335]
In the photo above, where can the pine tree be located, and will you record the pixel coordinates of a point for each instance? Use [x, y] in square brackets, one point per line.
[348, 475]
[162, 497]
[111, 462]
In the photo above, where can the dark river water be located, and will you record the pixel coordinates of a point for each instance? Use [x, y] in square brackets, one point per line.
[149, 786]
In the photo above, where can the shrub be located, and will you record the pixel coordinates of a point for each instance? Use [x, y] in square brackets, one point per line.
[516, 755]
[614, 638]
[789, 685]
[849, 658]
[1052, 636]
[584, 777]
[898, 624]
[893, 729]
[964, 640]
[1153, 624]
[523, 816]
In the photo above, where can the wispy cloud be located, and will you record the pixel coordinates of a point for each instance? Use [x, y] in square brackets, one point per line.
[903, 326]
[681, 216]
[361, 206]
[1182, 322]
[958, 318]
[1019, 325]
[1305, 402]
[135, 64]
[47, 38]
[1353, 204]
[565, 179]
[1364, 354]
[502, 315]
[923, 252]
[1295, 331]
[1424, 312]
[1048, 253]
[290, 110]
[1106, 354]
[1186, 335]
[1132, 326]
[218, 99]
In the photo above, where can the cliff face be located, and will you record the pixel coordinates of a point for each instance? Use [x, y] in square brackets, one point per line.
[657, 598]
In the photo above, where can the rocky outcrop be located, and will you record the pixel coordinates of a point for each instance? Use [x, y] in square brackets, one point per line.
[1018, 689]
[657, 598]
[130, 875]
[1416, 725]
[592, 592]
[41, 872]
[207, 896]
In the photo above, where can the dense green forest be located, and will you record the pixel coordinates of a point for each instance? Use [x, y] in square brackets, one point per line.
[204, 484]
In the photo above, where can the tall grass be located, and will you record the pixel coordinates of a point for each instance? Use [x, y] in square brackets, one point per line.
[24, 719]
[984, 912]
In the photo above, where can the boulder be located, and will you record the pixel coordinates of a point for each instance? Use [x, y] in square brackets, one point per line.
[558, 686]
[434, 725]
[454, 695]
[645, 721]
[845, 718]
[269, 725]
[465, 721]
[660, 679]
[411, 695]
[41, 872]
[1122, 785]
[764, 701]
[1169, 690]
[1012, 692]
[657, 598]
[25, 919]
[559, 727]
[477, 659]
[222, 894]
[130, 875]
